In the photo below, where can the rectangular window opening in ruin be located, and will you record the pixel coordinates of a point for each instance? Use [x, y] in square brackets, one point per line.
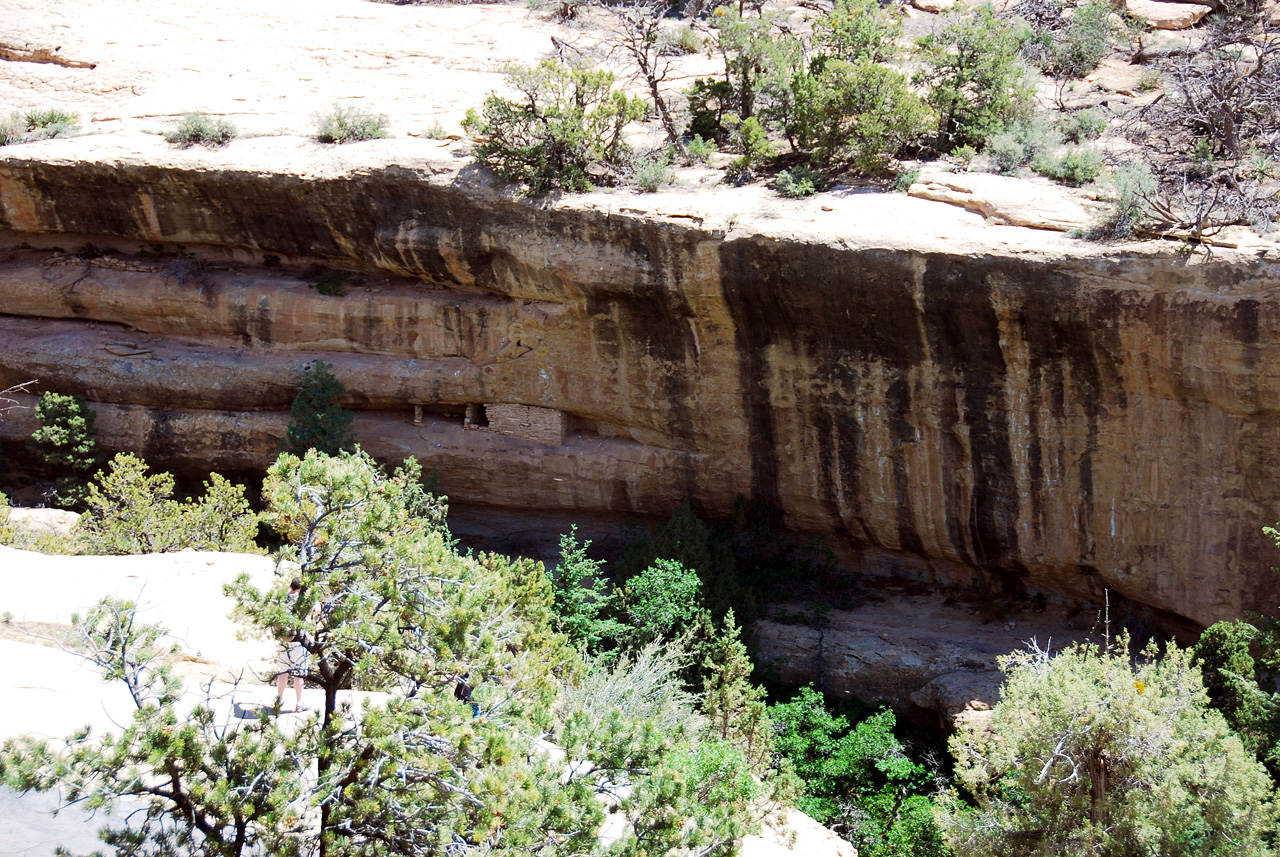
[476, 416]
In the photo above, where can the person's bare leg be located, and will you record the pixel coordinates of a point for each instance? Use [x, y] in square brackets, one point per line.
[297, 691]
[281, 680]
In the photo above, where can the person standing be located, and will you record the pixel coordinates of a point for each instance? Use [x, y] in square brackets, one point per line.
[294, 659]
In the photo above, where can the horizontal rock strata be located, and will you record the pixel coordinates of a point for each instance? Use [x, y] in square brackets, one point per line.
[1033, 410]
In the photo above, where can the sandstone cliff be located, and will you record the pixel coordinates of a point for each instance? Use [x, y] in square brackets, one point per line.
[936, 395]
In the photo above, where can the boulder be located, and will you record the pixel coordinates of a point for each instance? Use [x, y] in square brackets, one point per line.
[1016, 202]
[59, 522]
[1167, 16]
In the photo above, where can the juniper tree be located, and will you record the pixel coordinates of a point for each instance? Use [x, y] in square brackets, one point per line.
[316, 420]
[1090, 753]
[67, 441]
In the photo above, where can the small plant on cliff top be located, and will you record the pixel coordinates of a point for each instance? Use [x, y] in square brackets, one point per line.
[201, 129]
[349, 125]
[36, 125]
[316, 420]
[49, 123]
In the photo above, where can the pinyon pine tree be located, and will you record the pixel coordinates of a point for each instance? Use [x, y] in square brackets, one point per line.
[389, 608]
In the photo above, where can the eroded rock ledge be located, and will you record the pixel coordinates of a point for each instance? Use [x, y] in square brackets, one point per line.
[936, 395]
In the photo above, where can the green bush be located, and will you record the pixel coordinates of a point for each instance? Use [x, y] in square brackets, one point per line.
[1092, 752]
[858, 778]
[711, 103]
[333, 283]
[752, 142]
[856, 30]
[798, 182]
[974, 78]
[700, 150]
[652, 171]
[1021, 143]
[349, 125]
[1076, 167]
[1081, 45]
[567, 126]
[582, 598]
[131, 512]
[1126, 201]
[34, 125]
[1080, 126]
[67, 441]
[316, 420]
[663, 601]
[49, 123]
[435, 131]
[201, 129]
[861, 114]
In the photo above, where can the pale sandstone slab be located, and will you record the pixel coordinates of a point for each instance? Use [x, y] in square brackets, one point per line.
[1167, 16]
[1013, 201]
[182, 591]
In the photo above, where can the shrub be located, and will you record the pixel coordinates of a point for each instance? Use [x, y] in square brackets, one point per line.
[753, 144]
[67, 441]
[753, 50]
[581, 596]
[1021, 143]
[1076, 168]
[12, 129]
[1150, 81]
[711, 103]
[435, 131]
[858, 778]
[49, 123]
[663, 601]
[349, 125]
[34, 125]
[1082, 125]
[700, 150]
[316, 420]
[1126, 203]
[1081, 45]
[681, 40]
[567, 126]
[332, 283]
[905, 179]
[652, 171]
[856, 113]
[974, 78]
[201, 129]
[132, 512]
[798, 182]
[856, 30]
[1089, 752]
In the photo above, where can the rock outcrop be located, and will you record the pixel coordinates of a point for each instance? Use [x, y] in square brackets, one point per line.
[960, 401]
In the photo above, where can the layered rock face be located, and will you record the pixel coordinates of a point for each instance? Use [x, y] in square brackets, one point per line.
[1006, 404]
